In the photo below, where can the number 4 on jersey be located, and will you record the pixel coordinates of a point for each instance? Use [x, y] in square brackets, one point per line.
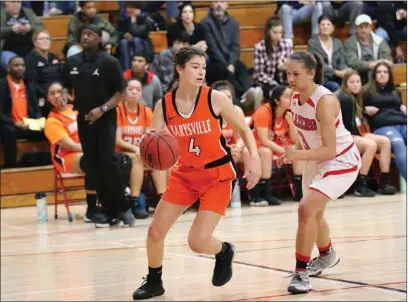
[194, 149]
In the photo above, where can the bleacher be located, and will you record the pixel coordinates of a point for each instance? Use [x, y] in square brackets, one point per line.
[18, 186]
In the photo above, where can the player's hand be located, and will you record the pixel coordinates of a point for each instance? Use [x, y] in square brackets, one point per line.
[289, 155]
[22, 125]
[235, 152]
[93, 115]
[253, 171]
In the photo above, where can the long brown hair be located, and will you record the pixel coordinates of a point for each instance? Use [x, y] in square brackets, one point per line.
[373, 87]
[271, 23]
[358, 98]
[311, 61]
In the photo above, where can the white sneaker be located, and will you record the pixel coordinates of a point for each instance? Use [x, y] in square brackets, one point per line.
[300, 283]
[318, 264]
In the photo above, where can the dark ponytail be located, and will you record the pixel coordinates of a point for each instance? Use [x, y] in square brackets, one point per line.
[274, 97]
[180, 59]
[311, 61]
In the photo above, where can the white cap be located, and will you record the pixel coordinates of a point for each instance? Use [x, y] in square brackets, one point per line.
[363, 18]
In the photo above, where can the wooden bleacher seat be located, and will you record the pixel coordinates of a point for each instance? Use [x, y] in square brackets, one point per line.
[24, 146]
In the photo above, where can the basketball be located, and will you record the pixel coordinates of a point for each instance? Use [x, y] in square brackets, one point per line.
[159, 150]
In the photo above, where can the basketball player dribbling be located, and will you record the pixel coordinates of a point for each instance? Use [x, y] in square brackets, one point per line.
[193, 113]
[332, 164]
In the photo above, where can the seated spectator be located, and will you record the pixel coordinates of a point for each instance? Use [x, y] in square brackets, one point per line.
[42, 67]
[223, 40]
[18, 101]
[342, 11]
[88, 15]
[152, 90]
[351, 101]
[61, 130]
[273, 128]
[332, 52]
[17, 25]
[296, 12]
[392, 24]
[385, 113]
[134, 120]
[271, 55]
[134, 30]
[365, 49]
[186, 23]
[162, 65]
[171, 8]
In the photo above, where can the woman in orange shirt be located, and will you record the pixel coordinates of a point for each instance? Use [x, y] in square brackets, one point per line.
[61, 131]
[133, 120]
[273, 125]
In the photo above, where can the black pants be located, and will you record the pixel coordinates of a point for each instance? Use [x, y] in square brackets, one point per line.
[9, 136]
[239, 79]
[98, 145]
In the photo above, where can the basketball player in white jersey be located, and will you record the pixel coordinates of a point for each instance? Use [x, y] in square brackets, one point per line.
[332, 164]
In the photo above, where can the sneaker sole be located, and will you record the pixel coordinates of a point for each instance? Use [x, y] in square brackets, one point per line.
[294, 290]
[230, 276]
[321, 271]
[152, 296]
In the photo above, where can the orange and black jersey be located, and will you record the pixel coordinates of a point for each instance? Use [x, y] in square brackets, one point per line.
[199, 134]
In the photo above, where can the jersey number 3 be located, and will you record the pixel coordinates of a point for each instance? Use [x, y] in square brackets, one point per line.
[192, 148]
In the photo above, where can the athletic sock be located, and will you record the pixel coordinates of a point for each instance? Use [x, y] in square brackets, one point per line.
[298, 187]
[302, 262]
[324, 251]
[385, 178]
[155, 274]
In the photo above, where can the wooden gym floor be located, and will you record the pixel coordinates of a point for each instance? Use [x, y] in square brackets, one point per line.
[75, 261]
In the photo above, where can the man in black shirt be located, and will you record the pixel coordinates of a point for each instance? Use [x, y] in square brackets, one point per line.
[98, 85]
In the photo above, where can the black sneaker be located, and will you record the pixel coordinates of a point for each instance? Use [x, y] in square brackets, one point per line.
[364, 191]
[273, 201]
[148, 289]
[223, 266]
[106, 222]
[387, 189]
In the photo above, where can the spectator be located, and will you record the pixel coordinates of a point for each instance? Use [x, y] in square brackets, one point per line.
[296, 12]
[42, 67]
[186, 23]
[171, 8]
[392, 24]
[271, 55]
[386, 115]
[162, 65]
[134, 30]
[351, 101]
[18, 101]
[341, 11]
[332, 52]
[61, 130]
[88, 15]
[365, 49]
[17, 25]
[152, 89]
[273, 128]
[222, 36]
[134, 120]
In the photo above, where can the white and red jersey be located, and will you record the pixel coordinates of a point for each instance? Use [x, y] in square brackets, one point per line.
[308, 127]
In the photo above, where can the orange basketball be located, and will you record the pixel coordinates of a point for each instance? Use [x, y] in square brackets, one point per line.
[159, 150]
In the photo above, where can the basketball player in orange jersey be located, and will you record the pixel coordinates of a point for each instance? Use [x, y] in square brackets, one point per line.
[272, 125]
[193, 113]
[61, 131]
[133, 120]
[332, 164]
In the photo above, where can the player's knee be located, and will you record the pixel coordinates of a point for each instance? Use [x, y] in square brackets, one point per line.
[306, 212]
[196, 243]
[155, 234]
[371, 147]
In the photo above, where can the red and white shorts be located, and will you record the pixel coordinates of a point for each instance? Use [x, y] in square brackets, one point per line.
[333, 177]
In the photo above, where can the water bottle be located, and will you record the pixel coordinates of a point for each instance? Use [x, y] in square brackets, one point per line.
[46, 9]
[41, 202]
[236, 196]
[403, 185]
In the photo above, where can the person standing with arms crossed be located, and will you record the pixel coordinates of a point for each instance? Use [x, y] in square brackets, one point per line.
[98, 84]
[332, 164]
[205, 169]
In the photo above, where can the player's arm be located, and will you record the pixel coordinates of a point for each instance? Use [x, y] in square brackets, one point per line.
[240, 143]
[158, 121]
[292, 132]
[68, 144]
[266, 142]
[327, 111]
